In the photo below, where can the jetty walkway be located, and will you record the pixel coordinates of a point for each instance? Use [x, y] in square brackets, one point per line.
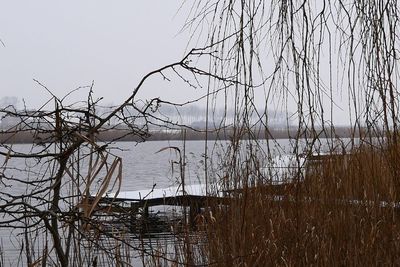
[137, 203]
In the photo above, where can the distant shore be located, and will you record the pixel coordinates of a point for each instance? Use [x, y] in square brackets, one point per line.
[30, 136]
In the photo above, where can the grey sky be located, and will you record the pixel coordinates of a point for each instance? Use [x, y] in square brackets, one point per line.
[66, 44]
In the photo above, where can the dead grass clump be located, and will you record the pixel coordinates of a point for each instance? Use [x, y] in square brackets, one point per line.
[344, 213]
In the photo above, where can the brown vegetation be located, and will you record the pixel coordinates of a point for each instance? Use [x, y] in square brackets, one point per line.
[346, 212]
[112, 134]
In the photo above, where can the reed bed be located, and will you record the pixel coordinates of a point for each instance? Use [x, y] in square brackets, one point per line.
[345, 212]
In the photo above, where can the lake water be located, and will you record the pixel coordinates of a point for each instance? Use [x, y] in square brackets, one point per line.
[143, 166]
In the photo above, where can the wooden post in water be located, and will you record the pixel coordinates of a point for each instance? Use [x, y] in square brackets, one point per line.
[146, 211]
[133, 211]
[195, 210]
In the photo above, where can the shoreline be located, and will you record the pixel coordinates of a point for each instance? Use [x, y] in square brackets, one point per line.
[125, 135]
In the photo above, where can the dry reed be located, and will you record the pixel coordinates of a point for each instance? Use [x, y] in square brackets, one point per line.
[344, 213]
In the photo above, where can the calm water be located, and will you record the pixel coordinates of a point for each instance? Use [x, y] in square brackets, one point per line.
[143, 165]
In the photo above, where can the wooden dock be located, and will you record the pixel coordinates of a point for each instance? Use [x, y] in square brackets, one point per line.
[194, 198]
[137, 203]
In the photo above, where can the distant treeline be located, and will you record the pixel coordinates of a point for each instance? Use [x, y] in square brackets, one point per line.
[31, 136]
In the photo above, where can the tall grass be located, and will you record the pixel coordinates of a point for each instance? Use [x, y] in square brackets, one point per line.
[344, 213]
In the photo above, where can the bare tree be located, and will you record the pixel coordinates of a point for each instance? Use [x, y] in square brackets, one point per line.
[57, 183]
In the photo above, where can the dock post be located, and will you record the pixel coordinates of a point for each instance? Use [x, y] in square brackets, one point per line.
[195, 209]
[146, 211]
[133, 211]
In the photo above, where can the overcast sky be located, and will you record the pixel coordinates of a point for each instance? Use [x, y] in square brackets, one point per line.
[67, 44]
